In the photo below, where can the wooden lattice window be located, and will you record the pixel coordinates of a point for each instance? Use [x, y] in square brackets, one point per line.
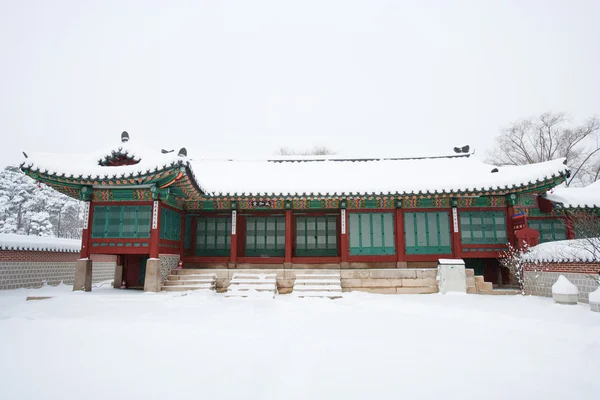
[550, 229]
[127, 222]
[265, 236]
[316, 236]
[187, 233]
[483, 227]
[371, 233]
[213, 236]
[427, 233]
[170, 224]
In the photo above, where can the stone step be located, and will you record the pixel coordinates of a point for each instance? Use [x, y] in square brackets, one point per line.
[258, 287]
[300, 282]
[185, 288]
[190, 283]
[189, 271]
[238, 275]
[318, 288]
[331, 295]
[253, 281]
[191, 276]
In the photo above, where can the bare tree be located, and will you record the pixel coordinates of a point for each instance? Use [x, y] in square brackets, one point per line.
[548, 137]
[314, 151]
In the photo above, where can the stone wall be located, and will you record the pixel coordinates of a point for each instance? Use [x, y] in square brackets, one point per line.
[167, 263]
[31, 269]
[539, 278]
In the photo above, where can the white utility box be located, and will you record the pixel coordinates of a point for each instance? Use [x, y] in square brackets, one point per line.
[451, 276]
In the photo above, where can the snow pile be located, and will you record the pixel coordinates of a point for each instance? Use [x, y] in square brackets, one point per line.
[575, 197]
[574, 250]
[594, 297]
[564, 286]
[38, 243]
[127, 344]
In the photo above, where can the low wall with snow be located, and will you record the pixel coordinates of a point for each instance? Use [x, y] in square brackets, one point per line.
[539, 278]
[30, 269]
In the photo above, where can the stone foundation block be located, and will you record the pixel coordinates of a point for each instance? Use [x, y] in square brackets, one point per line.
[351, 283]
[363, 265]
[83, 275]
[355, 274]
[424, 282]
[380, 290]
[153, 280]
[470, 273]
[285, 290]
[470, 282]
[285, 283]
[118, 277]
[416, 290]
[426, 273]
[381, 283]
[471, 290]
[401, 264]
[393, 274]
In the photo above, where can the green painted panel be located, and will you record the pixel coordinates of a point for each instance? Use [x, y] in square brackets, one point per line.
[187, 234]
[127, 222]
[371, 234]
[170, 224]
[483, 227]
[550, 229]
[314, 204]
[213, 236]
[122, 194]
[316, 236]
[427, 233]
[265, 236]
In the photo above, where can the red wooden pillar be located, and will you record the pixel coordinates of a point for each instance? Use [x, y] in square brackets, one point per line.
[289, 239]
[233, 251]
[155, 231]
[570, 227]
[455, 232]
[510, 227]
[344, 248]
[86, 234]
[182, 237]
[400, 243]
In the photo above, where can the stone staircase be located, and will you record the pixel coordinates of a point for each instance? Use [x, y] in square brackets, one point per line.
[319, 284]
[476, 284]
[180, 280]
[252, 285]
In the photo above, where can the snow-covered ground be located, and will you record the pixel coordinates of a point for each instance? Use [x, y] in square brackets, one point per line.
[135, 345]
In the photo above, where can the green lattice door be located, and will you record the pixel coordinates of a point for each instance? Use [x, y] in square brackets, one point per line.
[213, 236]
[316, 236]
[265, 236]
[550, 229]
[427, 233]
[483, 227]
[371, 233]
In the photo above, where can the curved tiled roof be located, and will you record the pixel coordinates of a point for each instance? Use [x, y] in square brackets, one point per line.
[574, 250]
[576, 197]
[297, 176]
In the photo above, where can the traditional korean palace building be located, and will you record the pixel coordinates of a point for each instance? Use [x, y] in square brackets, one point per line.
[155, 208]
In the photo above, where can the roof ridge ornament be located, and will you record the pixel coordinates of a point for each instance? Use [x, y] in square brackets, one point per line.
[124, 137]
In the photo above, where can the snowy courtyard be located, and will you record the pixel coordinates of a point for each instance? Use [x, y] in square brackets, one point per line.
[129, 344]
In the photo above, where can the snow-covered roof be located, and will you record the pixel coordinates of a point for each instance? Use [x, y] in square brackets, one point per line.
[38, 243]
[298, 175]
[373, 176]
[88, 165]
[576, 197]
[574, 250]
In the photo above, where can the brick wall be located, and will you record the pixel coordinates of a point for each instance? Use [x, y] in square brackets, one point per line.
[26, 269]
[540, 278]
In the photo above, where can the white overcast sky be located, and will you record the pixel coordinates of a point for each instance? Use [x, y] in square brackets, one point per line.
[243, 78]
